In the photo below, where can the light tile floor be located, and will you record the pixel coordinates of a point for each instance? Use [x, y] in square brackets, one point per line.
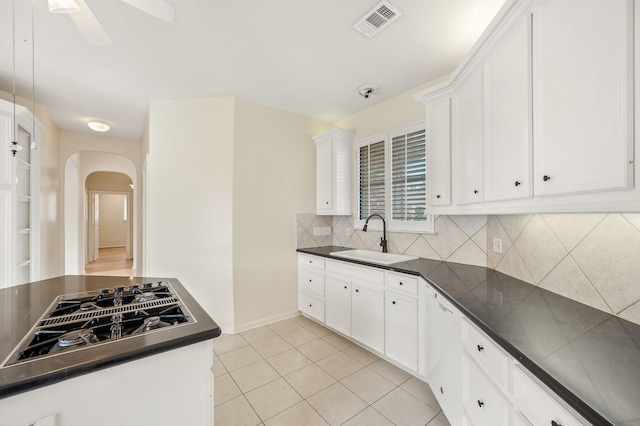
[296, 373]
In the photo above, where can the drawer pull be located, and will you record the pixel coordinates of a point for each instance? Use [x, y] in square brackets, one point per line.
[309, 280]
[480, 403]
[554, 423]
[311, 261]
[310, 306]
[357, 291]
[394, 302]
[400, 282]
[345, 286]
[480, 348]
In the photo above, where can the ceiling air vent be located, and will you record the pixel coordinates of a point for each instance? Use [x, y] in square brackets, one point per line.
[377, 19]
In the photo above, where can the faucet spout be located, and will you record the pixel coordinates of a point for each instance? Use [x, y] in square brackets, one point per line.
[383, 240]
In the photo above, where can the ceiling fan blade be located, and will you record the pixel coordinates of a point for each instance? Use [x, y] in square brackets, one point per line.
[160, 9]
[89, 25]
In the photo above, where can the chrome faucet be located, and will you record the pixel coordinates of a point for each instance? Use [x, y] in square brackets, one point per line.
[383, 240]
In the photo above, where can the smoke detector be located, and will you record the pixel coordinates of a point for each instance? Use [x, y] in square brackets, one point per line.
[367, 90]
[377, 19]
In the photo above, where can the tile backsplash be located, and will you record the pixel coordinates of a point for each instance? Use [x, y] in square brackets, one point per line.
[591, 258]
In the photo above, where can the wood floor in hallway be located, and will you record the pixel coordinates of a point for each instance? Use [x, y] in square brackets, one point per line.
[112, 261]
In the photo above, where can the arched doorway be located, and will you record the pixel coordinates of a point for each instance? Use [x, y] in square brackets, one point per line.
[87, 171]
[110, 230]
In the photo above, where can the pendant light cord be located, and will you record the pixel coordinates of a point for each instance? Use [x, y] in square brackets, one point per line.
[33, 77]
[13, 27]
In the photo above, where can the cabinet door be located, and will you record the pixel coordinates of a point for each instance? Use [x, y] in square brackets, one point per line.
[311, 304]
[401, 329]
[367, 315]
[467, 140]
[507, 118]
[438, 147]
[582, 95]
[338, 304]
[483, 403]
[444, 361]
[324, 175]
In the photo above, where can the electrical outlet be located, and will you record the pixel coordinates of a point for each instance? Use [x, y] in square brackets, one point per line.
[317, 231]
[497, 245]
[326, 230]
[347, 232]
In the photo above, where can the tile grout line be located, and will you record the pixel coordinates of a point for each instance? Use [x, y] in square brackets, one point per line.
[314, 363]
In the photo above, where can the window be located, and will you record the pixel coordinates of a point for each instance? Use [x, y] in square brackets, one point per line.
[392, 179]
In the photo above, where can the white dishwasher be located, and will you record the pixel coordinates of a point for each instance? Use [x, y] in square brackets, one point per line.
[444, 359]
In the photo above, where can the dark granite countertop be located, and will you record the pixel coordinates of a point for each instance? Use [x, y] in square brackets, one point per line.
[590, 358]
[22, 306]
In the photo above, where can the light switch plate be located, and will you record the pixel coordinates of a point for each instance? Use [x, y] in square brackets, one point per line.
[317, 231]
[326, 230]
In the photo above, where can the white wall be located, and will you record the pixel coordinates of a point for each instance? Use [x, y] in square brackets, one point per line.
[395, 112]
[190, 200]
[274, 178]
[73, 259]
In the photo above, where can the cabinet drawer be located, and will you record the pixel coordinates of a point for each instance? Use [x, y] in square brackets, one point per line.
[311, 280]
[481, 348]
[537, 404]
[361, 273]
[401, 282]
[483, 403]
[311, 305]
[310, 261]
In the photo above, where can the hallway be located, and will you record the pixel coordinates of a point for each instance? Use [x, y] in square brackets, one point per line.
[111, 261]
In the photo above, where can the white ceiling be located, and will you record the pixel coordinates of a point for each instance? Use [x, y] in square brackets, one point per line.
[297, 55]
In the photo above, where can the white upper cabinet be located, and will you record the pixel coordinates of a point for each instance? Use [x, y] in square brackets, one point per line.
[438, 147]
[554, 130]
[334, 165]
[467, 139]
[507, 117]
[582, 95]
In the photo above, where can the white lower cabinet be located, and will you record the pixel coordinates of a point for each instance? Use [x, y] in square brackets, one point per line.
[72, 402]
[367, 315]
[409, 323]
[401, 329]
[537, 405]
[444, 355]
[483, 403]
[311, 305]
[338, 304]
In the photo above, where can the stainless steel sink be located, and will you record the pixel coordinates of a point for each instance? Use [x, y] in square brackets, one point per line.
[373, 256]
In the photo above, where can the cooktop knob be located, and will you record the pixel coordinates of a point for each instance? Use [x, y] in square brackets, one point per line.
[133, 287]
[118, 289]
[103, 291]
[147, 285]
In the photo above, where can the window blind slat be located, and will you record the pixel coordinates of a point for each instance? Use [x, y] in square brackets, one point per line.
[408, 172]
[372, 180]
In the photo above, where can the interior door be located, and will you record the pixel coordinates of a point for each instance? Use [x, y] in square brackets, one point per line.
[96, 227]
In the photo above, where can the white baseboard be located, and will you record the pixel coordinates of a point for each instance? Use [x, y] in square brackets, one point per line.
[263, 321]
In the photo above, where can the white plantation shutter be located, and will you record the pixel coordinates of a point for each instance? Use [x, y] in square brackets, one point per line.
[392, 180]
[372, 191]
[408, 176]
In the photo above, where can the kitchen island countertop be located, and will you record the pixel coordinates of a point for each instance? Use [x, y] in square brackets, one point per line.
[22, 306]
[590, 358]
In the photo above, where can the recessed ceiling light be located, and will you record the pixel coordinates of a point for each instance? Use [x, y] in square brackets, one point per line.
[98, 126]
[63, 6]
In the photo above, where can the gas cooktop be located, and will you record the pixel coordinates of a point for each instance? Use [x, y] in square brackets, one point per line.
[79, 321]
